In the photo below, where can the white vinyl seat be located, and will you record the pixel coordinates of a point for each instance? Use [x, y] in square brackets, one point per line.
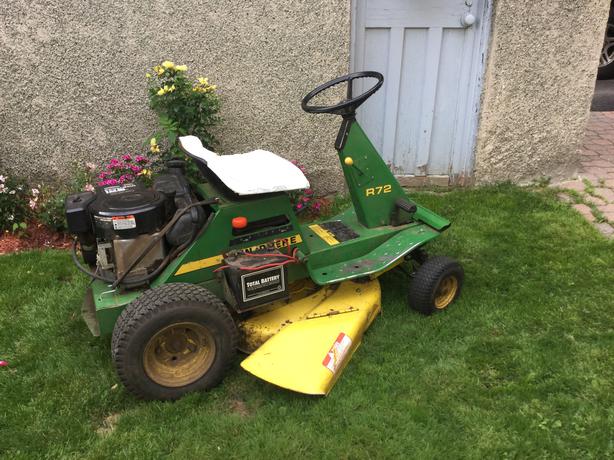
[251, 173]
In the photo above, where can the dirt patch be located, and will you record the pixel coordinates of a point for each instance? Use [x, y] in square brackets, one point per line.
[239, 407]
[36, 236]
[108, 425]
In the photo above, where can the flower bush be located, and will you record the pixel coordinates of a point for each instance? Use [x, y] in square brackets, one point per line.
[184, 107]
[304, 201]
[124, 170]
[17, 203]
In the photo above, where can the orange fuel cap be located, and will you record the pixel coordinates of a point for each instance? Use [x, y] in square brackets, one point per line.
[239, 222]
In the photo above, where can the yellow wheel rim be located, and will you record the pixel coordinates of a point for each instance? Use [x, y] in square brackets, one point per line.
[446, 291]
[179, 354]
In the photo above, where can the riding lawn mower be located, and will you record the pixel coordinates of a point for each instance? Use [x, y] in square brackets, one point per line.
[185, 274]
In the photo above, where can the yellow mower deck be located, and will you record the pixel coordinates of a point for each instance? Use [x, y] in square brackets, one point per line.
[305, 344]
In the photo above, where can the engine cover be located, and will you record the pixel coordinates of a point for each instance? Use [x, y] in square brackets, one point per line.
[129, 210]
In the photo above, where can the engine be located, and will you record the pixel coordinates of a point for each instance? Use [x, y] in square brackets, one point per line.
[123, 230]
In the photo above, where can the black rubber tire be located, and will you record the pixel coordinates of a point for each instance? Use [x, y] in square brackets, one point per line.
[606, 72]
[425, 282]
[158, 308]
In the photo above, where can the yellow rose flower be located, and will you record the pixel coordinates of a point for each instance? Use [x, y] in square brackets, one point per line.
[161, 92]
[181, 68]
[148, 75]
[168, 64]
[203, 81]
[159, 70]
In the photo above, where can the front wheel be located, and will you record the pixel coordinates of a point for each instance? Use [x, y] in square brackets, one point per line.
[435, 285]
[172, 340]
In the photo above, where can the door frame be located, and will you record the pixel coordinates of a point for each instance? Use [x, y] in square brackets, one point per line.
[471, 125]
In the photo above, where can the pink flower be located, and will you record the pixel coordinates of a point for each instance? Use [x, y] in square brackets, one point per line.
[114, 162]
[135, 168]
[90, 166]
[309, 192]
[103, 174]
[32, 204]
[88, 188]
[112, 182]
[141, 159]
[127, 158]
[306, 199]
[299, 206]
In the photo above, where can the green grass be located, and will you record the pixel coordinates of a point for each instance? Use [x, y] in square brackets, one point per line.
[522, 366]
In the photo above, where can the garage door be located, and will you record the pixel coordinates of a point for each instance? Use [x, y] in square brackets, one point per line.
[424, 120]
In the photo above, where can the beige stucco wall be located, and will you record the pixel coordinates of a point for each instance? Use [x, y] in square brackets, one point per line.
[538, 85]
[73, 86]
[74, 90]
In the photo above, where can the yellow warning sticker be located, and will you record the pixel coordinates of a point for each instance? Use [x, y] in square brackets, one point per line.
[216, 260]
[324, 234]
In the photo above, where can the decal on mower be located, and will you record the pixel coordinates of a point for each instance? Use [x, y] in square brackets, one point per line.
[337, 353]
[276, 244]
[217, 260]
[123, 222]
[327, 236]
[372, 191]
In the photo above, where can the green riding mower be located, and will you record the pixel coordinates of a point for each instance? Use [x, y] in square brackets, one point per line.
[184, 274]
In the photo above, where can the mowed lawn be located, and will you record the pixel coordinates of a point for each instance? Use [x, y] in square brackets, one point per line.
[522, 366]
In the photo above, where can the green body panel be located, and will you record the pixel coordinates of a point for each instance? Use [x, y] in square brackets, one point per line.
[375, 246]
[371, 252]
[372, 186]
[218, 239]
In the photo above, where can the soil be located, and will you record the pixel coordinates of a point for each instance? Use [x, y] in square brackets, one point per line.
[36, 236]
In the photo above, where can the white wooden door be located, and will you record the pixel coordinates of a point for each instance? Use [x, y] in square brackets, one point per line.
[431, 52]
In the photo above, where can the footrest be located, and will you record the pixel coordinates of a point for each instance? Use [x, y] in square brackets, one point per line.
[379, 259]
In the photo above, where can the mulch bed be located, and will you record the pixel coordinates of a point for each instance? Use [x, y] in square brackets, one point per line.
[37, 236]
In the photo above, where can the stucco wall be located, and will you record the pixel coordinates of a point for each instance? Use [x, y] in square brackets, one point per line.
[73, 85]
[538, 85]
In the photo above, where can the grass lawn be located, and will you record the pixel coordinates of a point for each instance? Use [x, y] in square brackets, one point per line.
[522, 366]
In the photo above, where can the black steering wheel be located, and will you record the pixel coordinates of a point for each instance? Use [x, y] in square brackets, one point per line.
[348, 106]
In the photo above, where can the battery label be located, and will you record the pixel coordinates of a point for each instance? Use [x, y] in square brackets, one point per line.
[262, 283]
[124, 222]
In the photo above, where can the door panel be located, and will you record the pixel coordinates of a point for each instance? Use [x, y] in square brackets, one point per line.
[423, 120]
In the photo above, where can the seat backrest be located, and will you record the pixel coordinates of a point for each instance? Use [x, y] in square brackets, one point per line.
[194, 148]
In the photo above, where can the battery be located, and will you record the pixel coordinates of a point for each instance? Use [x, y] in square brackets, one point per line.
[247, 286]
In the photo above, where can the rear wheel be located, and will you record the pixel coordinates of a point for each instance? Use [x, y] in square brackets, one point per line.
[172, 340]
[435, 285]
